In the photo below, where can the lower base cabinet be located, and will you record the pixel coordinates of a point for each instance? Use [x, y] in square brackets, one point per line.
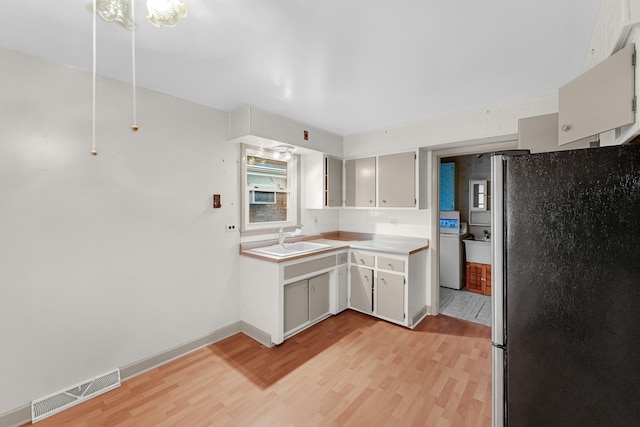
[361, 289]
[479, 278]
[342, 302]
[390, 296]
[296, 305]
[305, 301]
[389, 286]
[318, 296]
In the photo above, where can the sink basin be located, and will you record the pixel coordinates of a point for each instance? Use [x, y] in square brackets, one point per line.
[478, 251]
[289, 249]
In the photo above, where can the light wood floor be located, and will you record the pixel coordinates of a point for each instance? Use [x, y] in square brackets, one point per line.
[349, 370]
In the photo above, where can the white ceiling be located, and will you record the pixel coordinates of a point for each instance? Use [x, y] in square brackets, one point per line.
[347, 66]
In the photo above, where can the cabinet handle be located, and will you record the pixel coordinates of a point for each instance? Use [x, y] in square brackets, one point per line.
[384, 201]
[370, 201]
[361, 261]
[382, 280]
[566, 128]
[390, 265]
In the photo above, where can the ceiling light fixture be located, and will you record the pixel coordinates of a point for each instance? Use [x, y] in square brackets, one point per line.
[162, 13]
[285, 150]
[166, 13]
[115, 11]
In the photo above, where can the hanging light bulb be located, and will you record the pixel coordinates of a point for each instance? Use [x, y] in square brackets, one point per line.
[115, 10]
[166, 13]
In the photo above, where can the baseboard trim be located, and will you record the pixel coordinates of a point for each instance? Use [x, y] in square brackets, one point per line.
[419, 317]
[16, 417]
[22, 415]
[256, 334]
[144, 365]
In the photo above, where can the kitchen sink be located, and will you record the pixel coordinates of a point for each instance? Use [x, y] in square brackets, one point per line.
[289, 249]
[478, 251]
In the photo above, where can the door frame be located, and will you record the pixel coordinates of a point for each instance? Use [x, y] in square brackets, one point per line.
[461, 148]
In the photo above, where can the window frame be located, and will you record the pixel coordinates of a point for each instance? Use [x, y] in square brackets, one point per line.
[293, 190]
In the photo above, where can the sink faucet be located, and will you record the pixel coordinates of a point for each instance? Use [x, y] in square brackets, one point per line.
[284, 234]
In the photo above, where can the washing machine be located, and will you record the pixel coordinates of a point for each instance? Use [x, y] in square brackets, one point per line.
[452, 233]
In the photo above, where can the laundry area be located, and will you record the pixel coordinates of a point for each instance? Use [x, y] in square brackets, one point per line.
[465, 238]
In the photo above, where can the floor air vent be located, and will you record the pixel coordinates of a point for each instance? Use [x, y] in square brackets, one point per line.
[59, 401]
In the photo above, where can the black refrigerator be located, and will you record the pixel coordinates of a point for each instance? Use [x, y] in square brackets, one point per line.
[566, 292]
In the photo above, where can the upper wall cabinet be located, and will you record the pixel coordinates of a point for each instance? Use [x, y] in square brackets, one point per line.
[323, 180]
[394, 176]
[332, 181]
[360, 182]
[601, 99]
[539, 134]
[397, 180]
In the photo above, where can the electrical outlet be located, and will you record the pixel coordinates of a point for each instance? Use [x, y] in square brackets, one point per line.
[231, 227]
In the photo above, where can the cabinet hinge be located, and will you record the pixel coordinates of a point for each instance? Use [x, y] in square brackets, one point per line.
[633, 59]
[634, 104]
[415, 156]
[404, 279]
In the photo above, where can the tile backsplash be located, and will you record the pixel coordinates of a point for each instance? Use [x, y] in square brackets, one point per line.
[392, 222]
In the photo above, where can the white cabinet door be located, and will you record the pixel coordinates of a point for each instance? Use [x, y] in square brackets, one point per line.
[397, 180]
[360, 182]
[333, 182]
[390, 296]
[318, 296]
[539, 134]
[296, 305]
[343, 289]
[361, 289]
[601, 99]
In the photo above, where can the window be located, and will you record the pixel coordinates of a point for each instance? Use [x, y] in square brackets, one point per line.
[270, 189]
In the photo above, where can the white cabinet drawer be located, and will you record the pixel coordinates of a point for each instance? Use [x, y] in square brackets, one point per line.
[307, 267]
[343, 258]
[360, 258]
[391, 264]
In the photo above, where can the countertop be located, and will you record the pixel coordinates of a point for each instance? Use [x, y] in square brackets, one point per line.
[342, 241]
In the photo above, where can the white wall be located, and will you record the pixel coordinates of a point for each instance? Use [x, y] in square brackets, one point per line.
[477, 125]
[107, 260]
[491, 124]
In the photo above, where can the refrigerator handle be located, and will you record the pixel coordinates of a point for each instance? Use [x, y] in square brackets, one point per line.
[497, 250]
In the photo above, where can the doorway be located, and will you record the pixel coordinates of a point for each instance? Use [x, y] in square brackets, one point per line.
[463, 300]
[465, 237]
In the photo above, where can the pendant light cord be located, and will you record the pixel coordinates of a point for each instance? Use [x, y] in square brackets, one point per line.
[134, 125]
[93, 86]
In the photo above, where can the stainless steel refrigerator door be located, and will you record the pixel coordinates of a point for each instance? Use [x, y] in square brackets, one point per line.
[497, 250]
[572, 288]
[497, 386]
[497, 291]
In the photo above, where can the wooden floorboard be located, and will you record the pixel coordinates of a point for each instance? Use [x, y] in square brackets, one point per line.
[349, 370]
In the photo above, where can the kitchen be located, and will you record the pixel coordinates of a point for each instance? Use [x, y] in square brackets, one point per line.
[93, 228]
